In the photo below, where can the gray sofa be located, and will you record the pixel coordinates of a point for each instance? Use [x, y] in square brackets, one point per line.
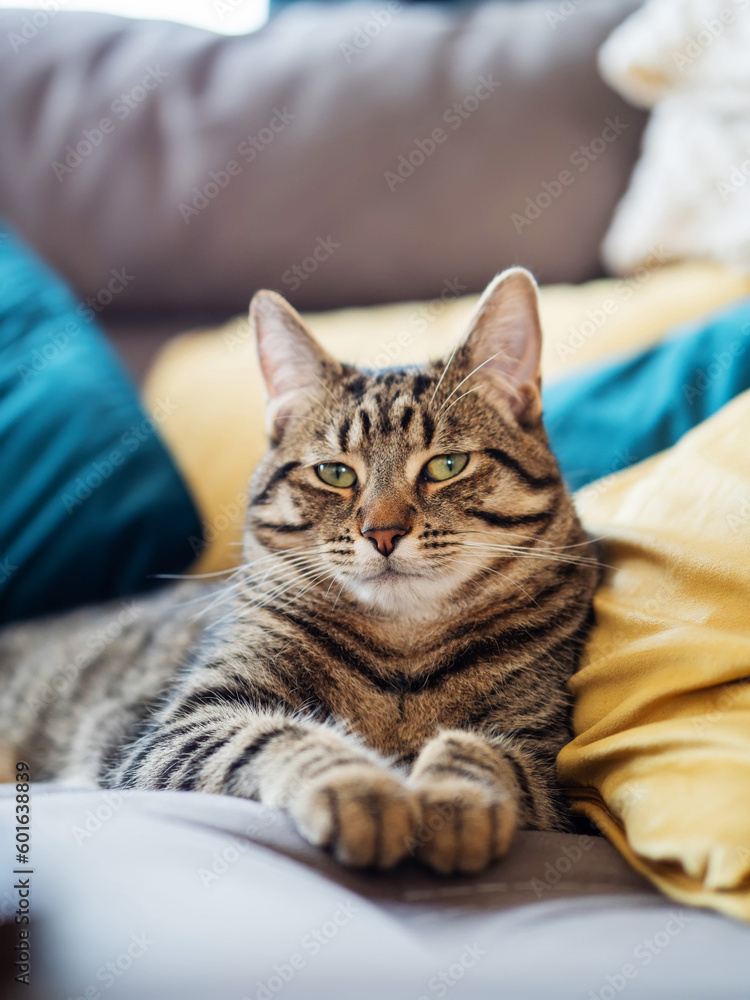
[205, 167]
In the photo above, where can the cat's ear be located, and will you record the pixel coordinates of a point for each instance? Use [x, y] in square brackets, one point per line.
[505, 339]
[293, 363]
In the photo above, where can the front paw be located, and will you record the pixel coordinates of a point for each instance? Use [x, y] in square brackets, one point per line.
[364, 814]
[465, 825]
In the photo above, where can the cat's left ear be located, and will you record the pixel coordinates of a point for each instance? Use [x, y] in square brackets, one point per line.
[505, 342]
[294, 365]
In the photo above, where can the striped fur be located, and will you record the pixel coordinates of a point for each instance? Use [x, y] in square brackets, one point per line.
[410, 702]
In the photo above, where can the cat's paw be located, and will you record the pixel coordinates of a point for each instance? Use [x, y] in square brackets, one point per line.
[465, 825]
[365, 815]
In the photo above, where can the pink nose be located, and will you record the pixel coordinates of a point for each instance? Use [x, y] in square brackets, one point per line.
[384, 539]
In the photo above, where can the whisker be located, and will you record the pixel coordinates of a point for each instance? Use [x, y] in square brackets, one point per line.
[281, 591]
[316, 580]
[520, 534]
[447, 366]
[341, 590]
[456, 388]
[297, 570]
[493, 569]
[540, 553]
[322, 383]
[244, 608]
[459, 398]
[534, 550]
[525, 553]
[282, 561]
[191, 576]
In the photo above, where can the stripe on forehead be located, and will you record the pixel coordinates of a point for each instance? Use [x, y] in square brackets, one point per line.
[360, 428]
[388, 403]
[428, 427]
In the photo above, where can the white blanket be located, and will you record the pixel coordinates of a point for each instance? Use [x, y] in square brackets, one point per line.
[689, 195]
[184, 896]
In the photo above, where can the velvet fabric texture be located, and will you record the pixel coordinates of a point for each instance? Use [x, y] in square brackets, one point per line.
[92, 503]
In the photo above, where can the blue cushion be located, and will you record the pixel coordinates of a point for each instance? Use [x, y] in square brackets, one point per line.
[609, 416]
[92, 504]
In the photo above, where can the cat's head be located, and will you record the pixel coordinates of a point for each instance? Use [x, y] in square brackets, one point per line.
[399, 485]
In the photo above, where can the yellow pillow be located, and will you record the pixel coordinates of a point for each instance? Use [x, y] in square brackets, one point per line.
[209, 384]
[661, 757]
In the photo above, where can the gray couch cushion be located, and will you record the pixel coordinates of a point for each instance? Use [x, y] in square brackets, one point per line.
[202, 897]
[312, 157]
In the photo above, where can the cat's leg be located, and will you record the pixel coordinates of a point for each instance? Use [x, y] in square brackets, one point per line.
[341, 795]
[474, 791]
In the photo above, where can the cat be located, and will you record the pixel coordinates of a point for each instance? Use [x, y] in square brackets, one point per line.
[389, 662]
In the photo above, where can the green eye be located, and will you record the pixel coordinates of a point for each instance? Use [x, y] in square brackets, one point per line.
[336, 474]
[445, 466]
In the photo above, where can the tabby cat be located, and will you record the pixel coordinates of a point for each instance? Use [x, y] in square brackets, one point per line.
[389, 663]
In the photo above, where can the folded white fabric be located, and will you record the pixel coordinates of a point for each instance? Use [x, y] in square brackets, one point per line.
[689, 194]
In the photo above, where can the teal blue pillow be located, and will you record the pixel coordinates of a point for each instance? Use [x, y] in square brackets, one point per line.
[91, 504]
[612, 415]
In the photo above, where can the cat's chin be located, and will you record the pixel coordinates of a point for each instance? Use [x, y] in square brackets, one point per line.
[404, 595]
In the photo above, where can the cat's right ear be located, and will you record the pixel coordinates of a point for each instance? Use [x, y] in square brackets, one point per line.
[293, 364]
